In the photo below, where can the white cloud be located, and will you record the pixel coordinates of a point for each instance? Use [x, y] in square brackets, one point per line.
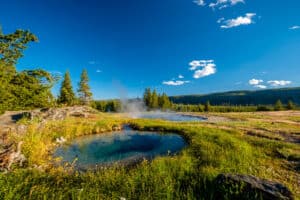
[98, 71]
[224, 3]
[220, 20]
[175, 83]
[199, 63]
[200, 2]
[206, 71]
[255, 81]
[260, 86]
[294, 27]
[180, 76]
[276, 83]
[233, 2]
[208, 68]
[246, 20]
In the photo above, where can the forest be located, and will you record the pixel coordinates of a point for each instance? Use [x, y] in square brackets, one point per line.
[248, 98]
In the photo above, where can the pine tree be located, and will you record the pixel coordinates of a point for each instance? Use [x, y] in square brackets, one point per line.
[154, 100]
[164, 102]
[207, 106]
[67, 95]
[147, 97]
[290, 105]
[278, 105]
[84, 91]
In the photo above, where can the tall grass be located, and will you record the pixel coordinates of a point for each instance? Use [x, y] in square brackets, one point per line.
[188, 175]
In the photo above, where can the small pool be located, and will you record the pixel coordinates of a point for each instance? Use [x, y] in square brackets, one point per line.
[170, 116]
[124, 147]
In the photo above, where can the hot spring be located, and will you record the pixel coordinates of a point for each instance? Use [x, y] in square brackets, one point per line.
[170, 116]
[124, 147]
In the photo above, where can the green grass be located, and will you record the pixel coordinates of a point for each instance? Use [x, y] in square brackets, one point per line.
[188, 175]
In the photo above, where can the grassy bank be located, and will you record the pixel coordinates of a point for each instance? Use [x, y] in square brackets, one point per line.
[214, 148]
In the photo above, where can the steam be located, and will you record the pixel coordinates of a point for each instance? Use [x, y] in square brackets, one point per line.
[133, 107]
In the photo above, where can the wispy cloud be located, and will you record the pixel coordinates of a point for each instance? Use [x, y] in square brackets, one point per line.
[276, 83]
[200, 2]
[220, 4]
[260, 86]
[255, 81]
[220, 20]
[175, 83]
[92, 62]
[98, 71]
[241, 20]
[208, 68]
[180, 76]
[294, 27]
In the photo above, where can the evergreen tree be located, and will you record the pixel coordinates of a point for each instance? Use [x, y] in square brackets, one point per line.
[67, 95]
[147, 97]
[290, 105]
[278, 105]
[25, 89]
[164, 102]
[32, 88]
[154, 100]
[207, 106]
[12, 45]
[84, 91]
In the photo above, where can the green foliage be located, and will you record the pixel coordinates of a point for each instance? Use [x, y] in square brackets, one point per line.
[263, 108]
[12, 45]
[67, 95]
[278, 106]
[220, 109]
[245, 98]
[32, 88]
[164, 102]
[154, 100]
[207, 106]
[7, 73]
[25, 89]
[84, 91]
[290, 105]
[147, 97]
[190, 174]
[107, 106]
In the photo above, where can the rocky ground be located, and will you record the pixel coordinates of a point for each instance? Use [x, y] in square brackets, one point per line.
[10, 152]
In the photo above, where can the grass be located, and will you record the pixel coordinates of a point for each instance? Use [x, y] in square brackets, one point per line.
[214, 148]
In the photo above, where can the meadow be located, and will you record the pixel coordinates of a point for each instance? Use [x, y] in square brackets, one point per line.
[260, 144]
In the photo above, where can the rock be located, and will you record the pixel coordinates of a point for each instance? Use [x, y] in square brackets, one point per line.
[116, 128]
[249, 187]
[9, 156]
[78, 114]
[61, 140]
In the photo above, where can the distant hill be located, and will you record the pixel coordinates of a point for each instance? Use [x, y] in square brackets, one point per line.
[243, 97]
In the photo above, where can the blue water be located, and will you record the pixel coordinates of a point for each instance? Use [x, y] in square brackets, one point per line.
[171, 116]
[120, 147]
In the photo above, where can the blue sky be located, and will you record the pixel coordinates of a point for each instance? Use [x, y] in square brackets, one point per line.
[175, 46]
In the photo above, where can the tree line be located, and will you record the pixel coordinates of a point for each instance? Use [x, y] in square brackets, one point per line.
[153, 100]
[67, 95]
[207, 107]
[245, 98]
